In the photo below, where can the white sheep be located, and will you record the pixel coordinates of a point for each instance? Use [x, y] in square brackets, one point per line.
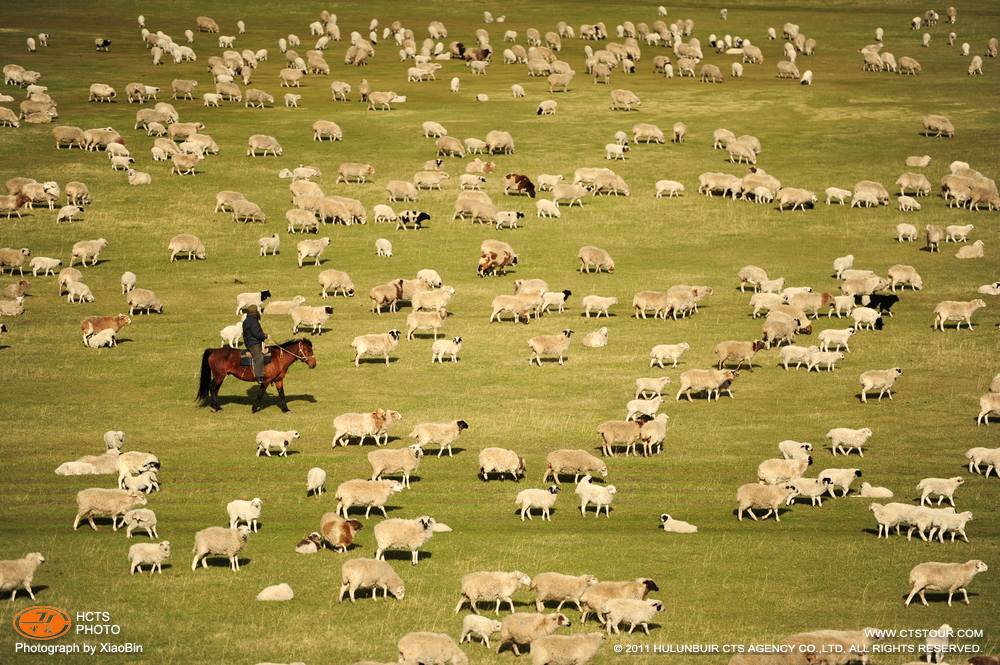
[795, 449]
[446, 347]
[99, 502]
[650, 387]
[575, 462]
[425, 647]
[403, 461]
[370, 574]
[577, 649]
[270, 439]
[956, 310]
[668, 188]
[989, 404]
[874, 491]
[755, 495]
[667, 352]
[501, 461]
[315, 481]
[242, 510]
[671, 525]
[222, 541]
[776, 471]
[539, 499]
[598, 304]
[490, 586]
[375, 344]
[231, 335]
[549, 345]
[810, 488]
[631, 611]
[153, 554]
[844, 439]
[140, 518]
[408, 535]
[19, 573]
[950, 577]
[368, 493]
[269, 244]
[881, 380]
[599, 495]
[644, 407]
[841, 478]
[943, 488]
[383, 247]
[312, 248]
[481, 627]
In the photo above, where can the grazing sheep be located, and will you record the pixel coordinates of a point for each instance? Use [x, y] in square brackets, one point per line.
[576, 462]
[755, 495]
[244, 511]
[336, 281]
[501, 461]
[844, 439]
[312, 248]
[409, 535]
[113, 503]
[597, 257]
[19, 573]
[153, 554]
[368, 493]
[955, 310]
[370, 574]
[270, 439]
[424, 647]
[188, 244]
[83, 250]
[670, 188]
[143, 300]
[950, 577]
[524, 628]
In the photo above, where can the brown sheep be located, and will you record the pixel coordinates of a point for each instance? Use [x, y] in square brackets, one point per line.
[338, 532]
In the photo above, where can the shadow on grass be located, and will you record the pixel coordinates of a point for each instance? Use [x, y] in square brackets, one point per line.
[377, 361]
[403, 555]
[35, 589]
[216, 561]
[376, 511]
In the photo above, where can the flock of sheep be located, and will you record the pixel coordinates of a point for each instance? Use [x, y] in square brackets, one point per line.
[866, 297]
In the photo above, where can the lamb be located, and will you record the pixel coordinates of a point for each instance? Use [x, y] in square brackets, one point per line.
[424, 647]
[368, 493]
[950, 577]
[841, 478]
[906, 232]
[881, 380]
[844, 439]
[75, 292]
[973, 251]
[872, 491]
[241, 510]
[84, 250]
[755, 495]
[313, 249]
[555, 298]
[403, 461]
[777, 471]
[946, 520]
[944, 488]
[188, 244]
[478, 626]
[443, 347]
[487, 586]
[269, 439]
[362, 425]
[549, 345]
[140, 518]
[836, 338]
[222, 541]
[650, 387]
[153, 554]
[113, 503]
[599, 495]
[671, 525]
[19, 573]
[370, 574]
[643, 407]
[529, 499]
[955, 310]
[337, 532]
[706, 380]
[575, 462]
[576, 649]
[739, 351]
[409, 535]
[501, 461]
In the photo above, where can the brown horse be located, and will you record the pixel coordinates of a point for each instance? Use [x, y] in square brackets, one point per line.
[217, 364]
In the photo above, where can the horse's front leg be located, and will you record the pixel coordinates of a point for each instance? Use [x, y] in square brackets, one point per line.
[259, 402]
[282, 404]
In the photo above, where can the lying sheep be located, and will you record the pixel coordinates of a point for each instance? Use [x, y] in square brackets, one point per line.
[950, 577]
[368, 493]
[844, 439]
[599, 495]
[755, 495]
[874, 492]
[113, 503]
[153, 554]
[973, 251]
[19, 573]
[370, 574]
[881, 380]
[408, 535]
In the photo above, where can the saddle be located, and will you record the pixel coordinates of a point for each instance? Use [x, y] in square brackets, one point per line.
[246, 360]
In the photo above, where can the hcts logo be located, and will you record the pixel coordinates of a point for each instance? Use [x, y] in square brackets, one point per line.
[42, 623]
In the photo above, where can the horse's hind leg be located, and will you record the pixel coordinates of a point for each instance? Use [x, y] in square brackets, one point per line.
[214, 392]
[259, 402]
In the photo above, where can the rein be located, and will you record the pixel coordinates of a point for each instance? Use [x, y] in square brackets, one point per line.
[281, 348]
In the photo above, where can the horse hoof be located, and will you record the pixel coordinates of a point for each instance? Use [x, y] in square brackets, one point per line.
[216, 409]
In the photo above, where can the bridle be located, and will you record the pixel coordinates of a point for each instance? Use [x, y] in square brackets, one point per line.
[292, 353]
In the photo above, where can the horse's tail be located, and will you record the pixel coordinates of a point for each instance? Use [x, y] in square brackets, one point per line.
[205, 380]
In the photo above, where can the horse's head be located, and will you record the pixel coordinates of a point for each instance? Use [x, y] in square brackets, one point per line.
[306, 350]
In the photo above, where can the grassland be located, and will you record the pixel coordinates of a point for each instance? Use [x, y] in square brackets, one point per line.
[733, 582]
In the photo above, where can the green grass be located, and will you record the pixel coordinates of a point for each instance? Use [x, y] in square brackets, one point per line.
[732, 582]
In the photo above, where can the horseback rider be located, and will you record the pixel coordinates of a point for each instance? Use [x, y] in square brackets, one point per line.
[253, 339]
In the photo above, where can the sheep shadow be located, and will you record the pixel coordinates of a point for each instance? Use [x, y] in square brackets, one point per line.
[218, 561]
[404, 555]
[377, 361]
[454, 451]
[312, 331]
[494, 476]
[399, 477]
[288, 453]
[584, 316]
[99, 521]
[35, 589]
[760, 511]
[375, 512]
[4, 346]
[535, 513]
[146, 571]
[425, 335]
[935, 597]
